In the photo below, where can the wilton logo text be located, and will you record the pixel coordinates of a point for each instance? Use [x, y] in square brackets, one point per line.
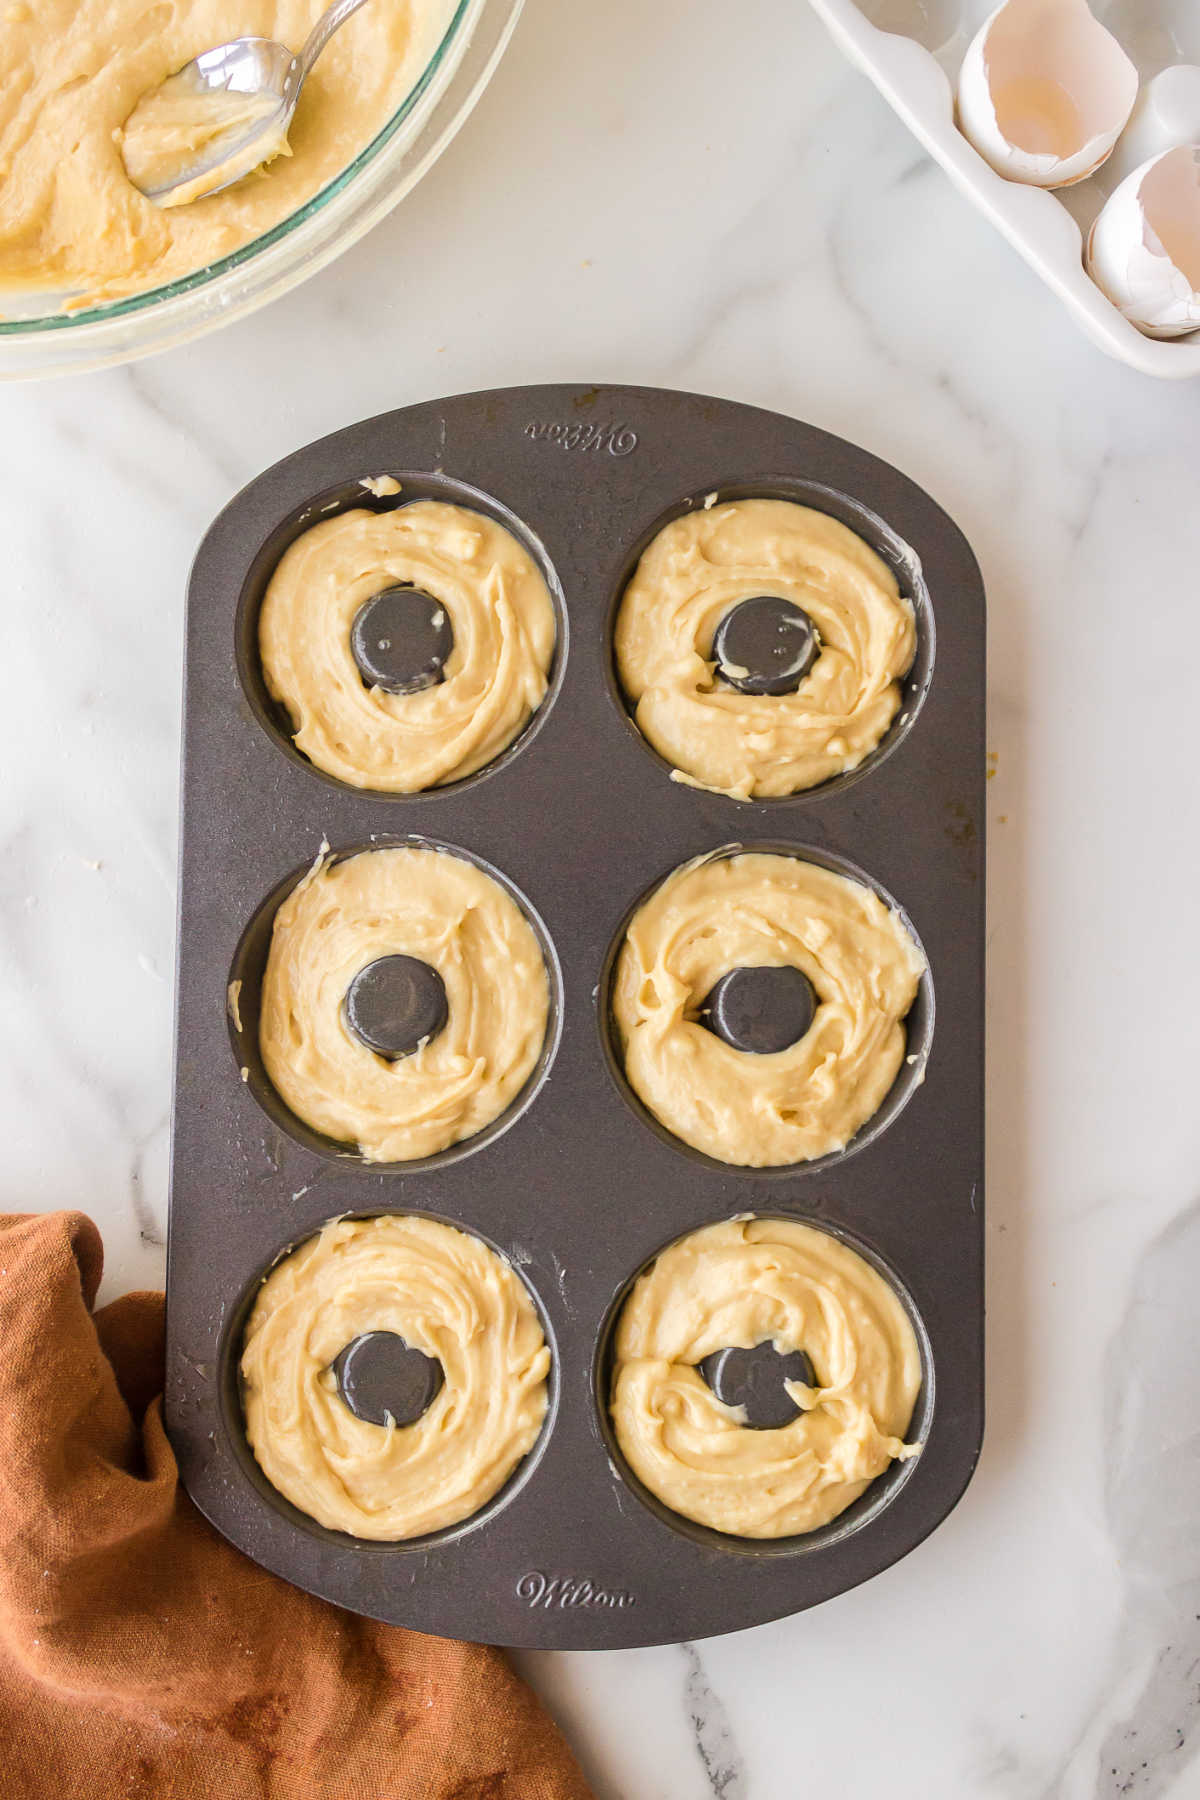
[618, 440]
[537, 1589]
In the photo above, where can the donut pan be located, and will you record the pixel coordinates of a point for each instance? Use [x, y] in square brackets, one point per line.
[577, 1186]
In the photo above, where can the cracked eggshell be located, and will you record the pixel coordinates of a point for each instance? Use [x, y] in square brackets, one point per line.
[1044, 91]
[1144, 248]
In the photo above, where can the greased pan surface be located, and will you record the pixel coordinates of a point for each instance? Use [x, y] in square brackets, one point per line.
[579, 1188]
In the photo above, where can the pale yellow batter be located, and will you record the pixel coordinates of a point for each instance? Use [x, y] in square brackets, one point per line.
[735, 1285]
[762, 745]
[722, 912]
[500, 612]
[409, 901]
[170, 131]
[74, 70]
[448, 1296]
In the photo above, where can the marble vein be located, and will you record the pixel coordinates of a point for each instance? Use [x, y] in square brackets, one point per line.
[716, 1746]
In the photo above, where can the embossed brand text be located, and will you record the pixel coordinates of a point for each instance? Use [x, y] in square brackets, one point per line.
[618, 440]
[537, 1589]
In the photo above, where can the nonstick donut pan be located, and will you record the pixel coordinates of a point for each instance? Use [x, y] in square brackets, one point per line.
[577, 1186]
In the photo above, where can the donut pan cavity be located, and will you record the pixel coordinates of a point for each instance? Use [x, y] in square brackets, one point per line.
[576, 1185]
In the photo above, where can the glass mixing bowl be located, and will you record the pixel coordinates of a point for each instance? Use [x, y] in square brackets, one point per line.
[36, 338]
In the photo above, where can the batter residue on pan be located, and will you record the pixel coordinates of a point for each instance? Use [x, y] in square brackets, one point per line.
[448, 1296]
[758, 909]
[71, 219]
[696, 571]
[433, 906]
[736, 1285]
[500, 613]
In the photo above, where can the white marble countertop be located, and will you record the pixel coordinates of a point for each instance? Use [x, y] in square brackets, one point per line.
[702, 196]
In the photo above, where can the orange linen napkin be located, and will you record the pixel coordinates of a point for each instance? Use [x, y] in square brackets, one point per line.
[143, 1657]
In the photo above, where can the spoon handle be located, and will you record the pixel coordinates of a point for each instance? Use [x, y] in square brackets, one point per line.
[329, 22]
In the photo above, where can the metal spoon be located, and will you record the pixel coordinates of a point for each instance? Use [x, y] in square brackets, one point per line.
[232, 106]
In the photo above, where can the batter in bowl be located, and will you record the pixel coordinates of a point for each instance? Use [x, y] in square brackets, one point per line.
[447, 1295]
[740, 1284]
[759, 746]
[762, 910]
[71, 219]
[444, 912]
[500, 614]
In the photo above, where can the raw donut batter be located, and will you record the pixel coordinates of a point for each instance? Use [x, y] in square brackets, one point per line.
[500, 612]
[758, 909]
[442, 910]
[168, 131]
[447, 1295]
[739, 1284]
[71, 219]
[695, 571]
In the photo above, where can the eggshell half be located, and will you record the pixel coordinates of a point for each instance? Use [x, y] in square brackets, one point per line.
[1144, 248]
[1045, 91]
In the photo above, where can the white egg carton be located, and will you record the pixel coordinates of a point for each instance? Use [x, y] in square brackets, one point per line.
[913, 49]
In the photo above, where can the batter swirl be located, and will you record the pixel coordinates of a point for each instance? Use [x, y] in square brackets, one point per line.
[441, 910]
[739, 1284]
[495, 677]
[761, 909]
[697, 570]
[447, 1295]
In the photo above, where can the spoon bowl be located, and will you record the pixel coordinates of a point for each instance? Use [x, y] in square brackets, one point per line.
[224, 114]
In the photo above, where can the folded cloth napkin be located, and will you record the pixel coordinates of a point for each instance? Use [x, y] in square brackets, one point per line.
[143, 1657]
